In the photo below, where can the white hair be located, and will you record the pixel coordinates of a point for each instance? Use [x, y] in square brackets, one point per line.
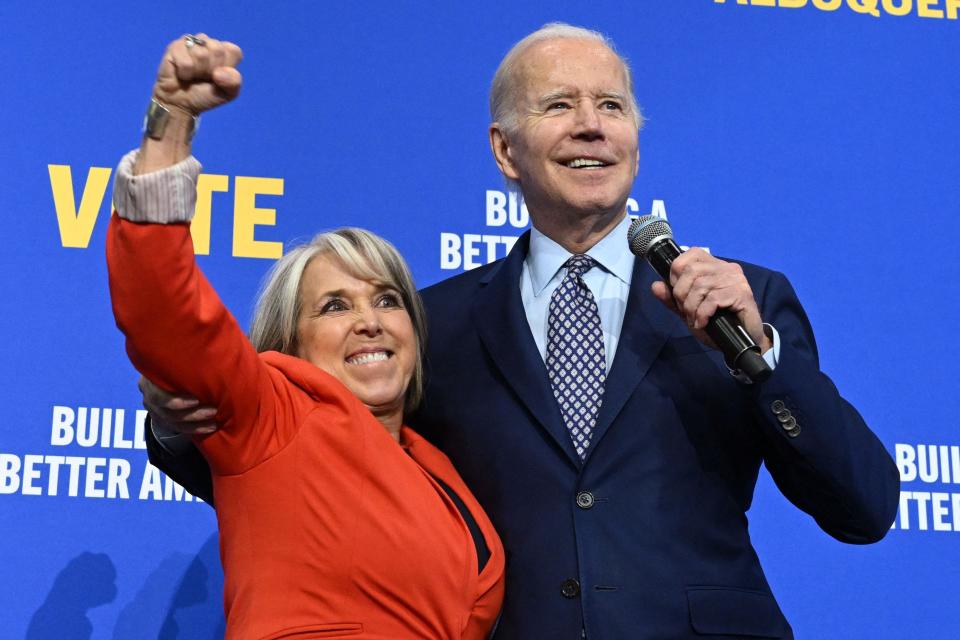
[505, 87]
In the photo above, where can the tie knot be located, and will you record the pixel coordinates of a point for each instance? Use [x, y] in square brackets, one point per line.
[579, 264]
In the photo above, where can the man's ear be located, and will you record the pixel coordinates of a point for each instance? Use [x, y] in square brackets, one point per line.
[502, 152]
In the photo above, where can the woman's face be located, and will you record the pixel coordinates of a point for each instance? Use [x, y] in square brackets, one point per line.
[358, 332]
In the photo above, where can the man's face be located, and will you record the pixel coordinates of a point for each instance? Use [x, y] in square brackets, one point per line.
[575, 149]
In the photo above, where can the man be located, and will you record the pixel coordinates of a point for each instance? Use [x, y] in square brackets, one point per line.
[614, 451]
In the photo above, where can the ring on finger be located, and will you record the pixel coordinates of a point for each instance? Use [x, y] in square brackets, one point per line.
[190, 40]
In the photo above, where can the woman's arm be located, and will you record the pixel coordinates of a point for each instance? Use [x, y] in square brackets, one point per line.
[196, 74]
[178, 332]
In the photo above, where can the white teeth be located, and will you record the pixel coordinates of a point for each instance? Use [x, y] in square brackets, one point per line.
[585, 162]
[367, 358]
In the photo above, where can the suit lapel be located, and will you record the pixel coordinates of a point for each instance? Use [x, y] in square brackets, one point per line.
[503, 328]
[646, 326]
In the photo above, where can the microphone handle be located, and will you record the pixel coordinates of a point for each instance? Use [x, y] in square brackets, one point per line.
[724, 328]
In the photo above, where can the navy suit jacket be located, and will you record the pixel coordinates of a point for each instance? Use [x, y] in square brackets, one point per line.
[647, 537]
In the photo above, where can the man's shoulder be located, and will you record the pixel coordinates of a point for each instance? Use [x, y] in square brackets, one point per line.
[462, 284]
[452, 306]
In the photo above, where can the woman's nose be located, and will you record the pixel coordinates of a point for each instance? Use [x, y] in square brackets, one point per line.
[367, 321]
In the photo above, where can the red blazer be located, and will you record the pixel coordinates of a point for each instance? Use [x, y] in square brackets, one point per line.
[328, 528]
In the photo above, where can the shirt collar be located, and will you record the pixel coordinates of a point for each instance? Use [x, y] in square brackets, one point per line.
[546, 257]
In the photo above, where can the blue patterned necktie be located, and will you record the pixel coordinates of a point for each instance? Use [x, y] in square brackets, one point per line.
[576, 361]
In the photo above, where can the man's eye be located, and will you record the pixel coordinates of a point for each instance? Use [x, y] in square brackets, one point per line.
[557, 106]
[611, 105]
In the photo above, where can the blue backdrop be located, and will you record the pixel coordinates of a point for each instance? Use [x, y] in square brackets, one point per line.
[818, 138]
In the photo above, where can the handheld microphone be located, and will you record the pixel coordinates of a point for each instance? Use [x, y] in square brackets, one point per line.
[651, 238]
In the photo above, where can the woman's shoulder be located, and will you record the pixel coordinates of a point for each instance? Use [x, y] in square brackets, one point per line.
[309, 379]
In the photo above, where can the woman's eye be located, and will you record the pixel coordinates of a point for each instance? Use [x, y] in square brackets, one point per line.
[389, 300]
[333, 306]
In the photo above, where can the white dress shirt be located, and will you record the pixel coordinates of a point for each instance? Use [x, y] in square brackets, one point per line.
[609, 282]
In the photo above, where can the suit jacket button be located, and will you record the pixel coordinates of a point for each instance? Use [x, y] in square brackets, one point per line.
[585, 500]
[778, 407]
[793, 433]
[785, 416]
[570, 588]
[787, 423]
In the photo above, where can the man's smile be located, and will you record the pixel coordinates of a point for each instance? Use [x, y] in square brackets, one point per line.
[585, 163]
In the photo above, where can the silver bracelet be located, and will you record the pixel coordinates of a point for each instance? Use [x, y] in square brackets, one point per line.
[156, 119]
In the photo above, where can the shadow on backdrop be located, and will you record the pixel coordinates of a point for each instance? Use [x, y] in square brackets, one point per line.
[88, 581]
[182, 599]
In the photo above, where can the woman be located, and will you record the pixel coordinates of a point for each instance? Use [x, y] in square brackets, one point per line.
[335, 519]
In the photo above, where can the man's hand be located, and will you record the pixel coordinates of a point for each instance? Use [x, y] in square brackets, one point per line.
[198, 74]
[701, 285]
[182, 414]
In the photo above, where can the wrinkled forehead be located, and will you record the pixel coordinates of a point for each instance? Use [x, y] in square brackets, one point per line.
[571, 65]
[330, 270]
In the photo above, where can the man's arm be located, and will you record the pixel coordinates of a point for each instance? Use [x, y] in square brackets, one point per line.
[185, 465]
[817, 447]
[171, 420]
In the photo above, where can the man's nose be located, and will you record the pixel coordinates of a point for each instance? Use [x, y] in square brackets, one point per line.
[587, 121]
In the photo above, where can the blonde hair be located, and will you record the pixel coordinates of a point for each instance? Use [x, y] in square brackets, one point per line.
[363, 255]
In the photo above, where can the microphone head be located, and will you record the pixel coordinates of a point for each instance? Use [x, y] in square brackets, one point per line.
[647, 231]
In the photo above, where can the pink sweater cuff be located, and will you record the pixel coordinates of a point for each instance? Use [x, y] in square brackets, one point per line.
[167, 196]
